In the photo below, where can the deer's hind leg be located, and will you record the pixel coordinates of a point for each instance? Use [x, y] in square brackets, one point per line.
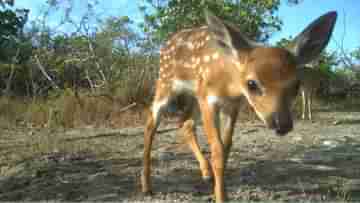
[160, 103]
[188, 128]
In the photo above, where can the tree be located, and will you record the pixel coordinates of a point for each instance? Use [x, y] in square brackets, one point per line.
[11, 25]
[356, 54]
[117, 35]
[256, 19]
[284, 42]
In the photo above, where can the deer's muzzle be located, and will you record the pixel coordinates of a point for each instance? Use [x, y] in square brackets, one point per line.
[281, 122]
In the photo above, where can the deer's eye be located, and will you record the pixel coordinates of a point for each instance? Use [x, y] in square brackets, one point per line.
[253, 86]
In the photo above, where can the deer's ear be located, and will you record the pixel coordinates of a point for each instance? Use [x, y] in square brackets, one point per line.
[226, 36]
[311, 41]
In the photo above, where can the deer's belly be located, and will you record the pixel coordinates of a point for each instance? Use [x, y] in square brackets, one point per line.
[184, 86]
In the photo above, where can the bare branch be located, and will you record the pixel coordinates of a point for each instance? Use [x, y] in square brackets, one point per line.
[127, 107]
[98, 67]
[345, 57]
[42, 69]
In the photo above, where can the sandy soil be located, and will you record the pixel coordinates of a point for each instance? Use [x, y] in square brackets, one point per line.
[318, 161]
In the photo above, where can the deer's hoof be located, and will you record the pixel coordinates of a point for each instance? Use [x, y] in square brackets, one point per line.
[147, 193]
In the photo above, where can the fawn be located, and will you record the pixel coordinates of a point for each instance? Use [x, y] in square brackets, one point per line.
[219, 68]
[311, 80]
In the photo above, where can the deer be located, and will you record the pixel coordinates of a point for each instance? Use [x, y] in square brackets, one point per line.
[311, 80]
[218, 68]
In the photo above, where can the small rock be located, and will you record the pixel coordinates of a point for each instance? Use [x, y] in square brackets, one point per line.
[337, 122]
[330, 143]
[297, 139]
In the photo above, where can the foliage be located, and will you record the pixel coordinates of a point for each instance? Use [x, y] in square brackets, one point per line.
[255, 18]
[284, 42]
[11, 24]
[356, 54]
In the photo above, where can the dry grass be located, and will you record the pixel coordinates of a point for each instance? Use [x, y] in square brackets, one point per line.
[68, 111]
[11, 111]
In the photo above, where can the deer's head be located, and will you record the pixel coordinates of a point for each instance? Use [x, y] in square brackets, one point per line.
[267, 75]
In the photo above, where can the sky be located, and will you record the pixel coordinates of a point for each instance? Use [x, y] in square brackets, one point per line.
[295, 18]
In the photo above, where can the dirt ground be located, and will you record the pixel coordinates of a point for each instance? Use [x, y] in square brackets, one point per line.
[318, 161]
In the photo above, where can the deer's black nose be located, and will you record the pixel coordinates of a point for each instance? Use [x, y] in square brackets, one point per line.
[282, 123]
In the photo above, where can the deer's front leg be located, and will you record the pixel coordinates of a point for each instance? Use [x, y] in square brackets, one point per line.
[209, 114]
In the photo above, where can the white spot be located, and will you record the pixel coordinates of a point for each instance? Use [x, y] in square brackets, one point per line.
[215, 56]
[190, 45]
[212, 99]
[179, 41]
[206, 58]
[207, 38]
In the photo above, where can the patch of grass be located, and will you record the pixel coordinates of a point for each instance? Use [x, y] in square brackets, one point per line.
[11, 111]
[68, 111]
